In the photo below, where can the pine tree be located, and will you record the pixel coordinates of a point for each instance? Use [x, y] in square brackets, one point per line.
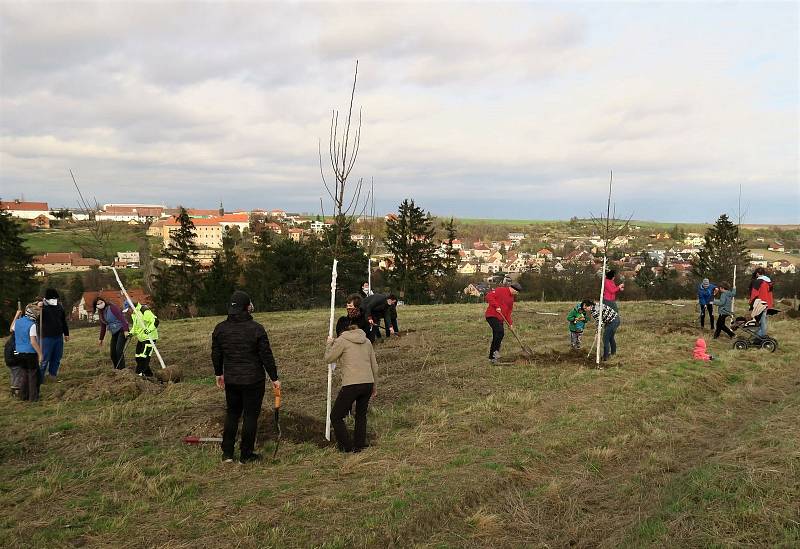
[410, 238]
[645, 278]
[223, 277]
[451, 257]
[16, 275]
[76, 290]
[722, 250]
[178, 282]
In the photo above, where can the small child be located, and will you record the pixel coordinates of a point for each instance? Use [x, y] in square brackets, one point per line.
[700, 350]
[576, 319]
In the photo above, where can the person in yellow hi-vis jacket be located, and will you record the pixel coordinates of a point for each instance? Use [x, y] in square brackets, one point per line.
[145, 328]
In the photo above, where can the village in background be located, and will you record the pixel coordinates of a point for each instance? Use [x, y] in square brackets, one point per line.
[488, 252]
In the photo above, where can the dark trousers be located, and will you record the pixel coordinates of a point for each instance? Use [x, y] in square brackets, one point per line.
[710, 309]
[30, 377]
[242, 400]
[722, 326]
[609, 342]
[118, 350]
[497, 334]
[360, 394]
[143, 353]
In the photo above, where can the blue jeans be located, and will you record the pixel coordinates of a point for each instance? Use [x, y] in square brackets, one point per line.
[762, 325]
[52, 351]
[609, 343]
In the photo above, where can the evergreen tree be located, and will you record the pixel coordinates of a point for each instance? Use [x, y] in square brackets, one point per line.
[410, 238]
[722, 250]
[676, 233]
[223, 277]
[17, 281]
[645, 278]
[451, 257]
[76, 290]
[178, 282]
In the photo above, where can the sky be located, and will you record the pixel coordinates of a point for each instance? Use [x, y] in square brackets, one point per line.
[481, 110]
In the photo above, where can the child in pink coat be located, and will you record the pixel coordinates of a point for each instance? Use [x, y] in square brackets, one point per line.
[700, 350]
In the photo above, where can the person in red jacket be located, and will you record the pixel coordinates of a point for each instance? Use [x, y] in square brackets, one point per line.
[501, 303]
[761, 290]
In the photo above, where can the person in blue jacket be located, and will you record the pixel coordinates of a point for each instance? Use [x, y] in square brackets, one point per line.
[705, 296]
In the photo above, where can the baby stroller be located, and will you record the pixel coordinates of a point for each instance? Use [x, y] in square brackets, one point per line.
[750, 326]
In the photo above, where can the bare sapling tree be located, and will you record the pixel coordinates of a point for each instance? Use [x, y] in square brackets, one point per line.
[97, 242]
[610, 228]
[347, 202]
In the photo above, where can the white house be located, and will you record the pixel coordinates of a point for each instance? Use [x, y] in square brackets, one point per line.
[26, 210]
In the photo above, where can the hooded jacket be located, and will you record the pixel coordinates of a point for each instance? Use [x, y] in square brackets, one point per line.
[240, 350]
[705, 295]
[699, 352]
[577, 318]
[761, 288]
[610, 290]
[725, 301]
[354, 356]
[503, 298]
[54, 320]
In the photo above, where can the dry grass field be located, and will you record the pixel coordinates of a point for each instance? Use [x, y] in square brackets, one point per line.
[654, 450]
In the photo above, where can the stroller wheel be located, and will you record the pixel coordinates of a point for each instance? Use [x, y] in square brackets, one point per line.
[769, 344]
[740, 344]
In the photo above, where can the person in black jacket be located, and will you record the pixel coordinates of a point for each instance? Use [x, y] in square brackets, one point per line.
[242, 360]
[354, 316]
[54, 332]
[375, 307]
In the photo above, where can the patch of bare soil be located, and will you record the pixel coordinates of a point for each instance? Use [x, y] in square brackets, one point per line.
[295, 427]
[108, 384]
[554, 358]
[675, 327]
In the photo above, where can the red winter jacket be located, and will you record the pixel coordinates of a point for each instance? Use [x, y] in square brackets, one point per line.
[500, 297]
[761, 289]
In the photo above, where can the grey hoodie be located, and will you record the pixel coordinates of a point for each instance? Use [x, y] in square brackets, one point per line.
[354, 356]
[724, 302]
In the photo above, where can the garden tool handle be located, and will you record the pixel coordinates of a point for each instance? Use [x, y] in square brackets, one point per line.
[277, 392]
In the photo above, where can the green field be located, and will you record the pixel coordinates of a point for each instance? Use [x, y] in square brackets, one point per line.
[123, 238]
[656, 450]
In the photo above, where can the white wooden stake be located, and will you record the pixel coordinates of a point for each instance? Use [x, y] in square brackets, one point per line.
[138, 316]
[369, 275]
[733, 299]
[331, 366]
[600, 318]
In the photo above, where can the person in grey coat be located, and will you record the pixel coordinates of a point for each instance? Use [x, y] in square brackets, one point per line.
[724, 303]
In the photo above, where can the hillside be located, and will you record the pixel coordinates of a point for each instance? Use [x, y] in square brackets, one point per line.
[654, 450]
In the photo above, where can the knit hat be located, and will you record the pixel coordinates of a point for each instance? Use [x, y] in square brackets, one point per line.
[517, 286]
[32, 311]
[51, 293]
[238, 303]
[706, 283]
[700, 343]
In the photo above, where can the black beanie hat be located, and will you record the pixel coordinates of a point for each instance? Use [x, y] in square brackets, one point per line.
[238, 303]
[50, 293]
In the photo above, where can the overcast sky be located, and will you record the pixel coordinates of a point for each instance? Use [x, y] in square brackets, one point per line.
[503, 110]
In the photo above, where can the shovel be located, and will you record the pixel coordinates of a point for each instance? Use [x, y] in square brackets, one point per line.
[198, 440]
[277, 392]
[525, 349]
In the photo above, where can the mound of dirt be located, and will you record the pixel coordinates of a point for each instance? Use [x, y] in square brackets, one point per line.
[109, 384]
[170, 373]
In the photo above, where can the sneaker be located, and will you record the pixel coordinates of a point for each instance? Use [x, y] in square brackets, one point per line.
[496, 355]
[250, 458]
[227, 459]
[493, 360]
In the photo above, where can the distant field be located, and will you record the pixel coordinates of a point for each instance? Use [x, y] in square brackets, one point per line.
[657, 450]
[123, 239]
[777, 256]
